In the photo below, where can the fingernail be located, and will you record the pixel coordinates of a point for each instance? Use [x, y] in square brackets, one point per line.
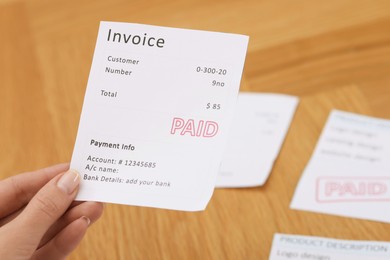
[86, 220]
[69, 181]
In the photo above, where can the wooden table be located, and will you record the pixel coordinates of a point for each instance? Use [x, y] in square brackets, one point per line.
[333, 54]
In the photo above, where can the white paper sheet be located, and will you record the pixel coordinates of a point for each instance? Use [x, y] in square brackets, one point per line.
[287, 247]
[259, 127]
[349, 172]
[156, 114]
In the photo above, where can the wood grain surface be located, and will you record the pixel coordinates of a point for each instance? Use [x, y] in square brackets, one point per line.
[332, 54]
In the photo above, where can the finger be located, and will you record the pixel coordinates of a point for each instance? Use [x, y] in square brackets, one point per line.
[14, 214]
[17, 191]
[44, 209]
[64, 242]
[91, 210]
[10, 217]
[74, 204]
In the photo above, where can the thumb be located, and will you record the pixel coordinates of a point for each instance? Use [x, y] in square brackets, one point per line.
[46, 207]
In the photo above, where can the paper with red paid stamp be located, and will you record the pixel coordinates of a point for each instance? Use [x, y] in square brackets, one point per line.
[157, 109]
[349, 172]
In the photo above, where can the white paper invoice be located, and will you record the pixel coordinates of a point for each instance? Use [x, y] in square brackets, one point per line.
[156, 114]
[259, 127]
[287, 247]
[349, 172]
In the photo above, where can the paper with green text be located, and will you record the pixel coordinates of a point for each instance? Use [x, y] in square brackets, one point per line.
[287, 247]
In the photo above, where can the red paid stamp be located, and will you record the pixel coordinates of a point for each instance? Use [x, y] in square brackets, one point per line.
[348, 189]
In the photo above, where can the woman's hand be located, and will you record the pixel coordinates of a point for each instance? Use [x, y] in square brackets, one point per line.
[38, 218]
